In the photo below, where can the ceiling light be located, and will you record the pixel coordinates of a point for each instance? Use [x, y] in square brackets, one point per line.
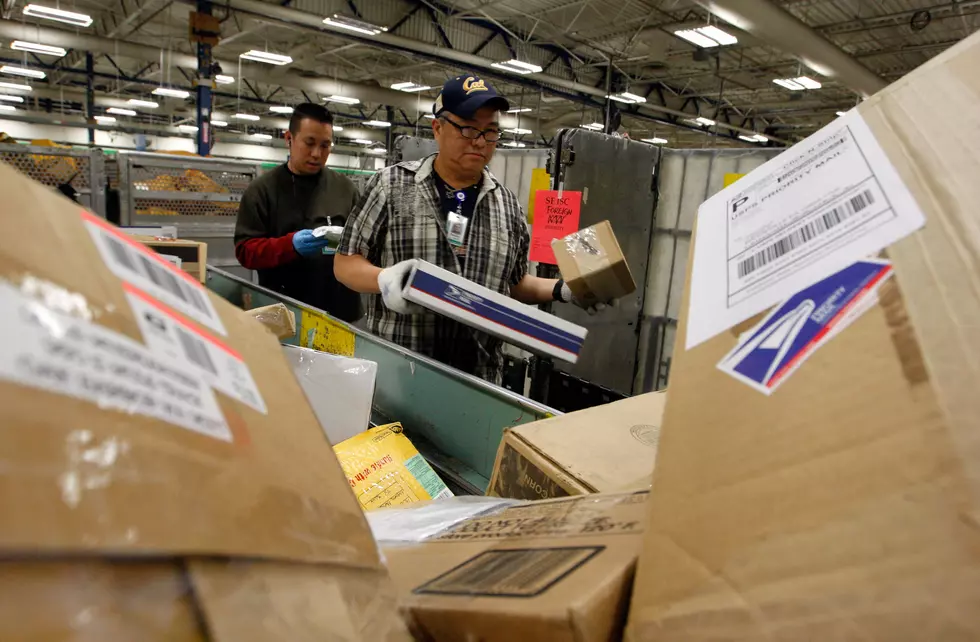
[223, 79]
[171, 93]
[517, 110]
[518, 67]
[759, 138]
[7, 108]
[267, 57]
[841, 113]
[281, 109]
[121, 112]
[137, 102]
[262, 136]
[363, 141]
[22, 71]
[706, 37]
[409, 87]
[353, 24]
[342, 99]
[596, 127]
[377, 150]
[252, 117]
[377, 123]
[13, 86]
[190, 129]
[11, 99]
[219, 123]
[106, 120]
[707, 122]
[517, 131]
[429, 116]
[38, 48]
[513, 143]
[655, 141]
[748, 139]
[626, 97]
[338, 128]
[48, 13]
[797, 84]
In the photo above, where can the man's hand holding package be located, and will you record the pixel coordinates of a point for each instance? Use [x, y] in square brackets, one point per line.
[307, 244]
[565, 295]
[391, 282]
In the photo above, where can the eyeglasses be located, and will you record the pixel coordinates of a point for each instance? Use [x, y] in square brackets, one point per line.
[472, 133]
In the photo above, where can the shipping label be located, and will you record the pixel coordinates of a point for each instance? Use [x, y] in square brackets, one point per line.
[46, 349]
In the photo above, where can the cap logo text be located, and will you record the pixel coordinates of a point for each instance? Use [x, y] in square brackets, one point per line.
[472, 84]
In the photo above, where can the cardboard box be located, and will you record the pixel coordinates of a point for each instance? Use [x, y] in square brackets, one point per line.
[602, 449]
[190, 256]
[522, 325]
[842, 505]
[279, 319]
[593, 265]
[166, 478]
[548, 570]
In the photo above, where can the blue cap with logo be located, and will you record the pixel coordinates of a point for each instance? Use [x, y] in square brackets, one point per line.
[464, 95]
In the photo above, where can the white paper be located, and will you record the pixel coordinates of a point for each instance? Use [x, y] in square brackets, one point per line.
[171, 338]
[826, 202]
[147, 270]
[47, 349]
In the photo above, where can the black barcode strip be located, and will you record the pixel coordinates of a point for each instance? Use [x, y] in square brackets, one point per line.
[195, 350]
[165, 279]
[121, 254]
[805, 234]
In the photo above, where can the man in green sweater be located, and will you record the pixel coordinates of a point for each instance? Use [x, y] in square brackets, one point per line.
[281, 208]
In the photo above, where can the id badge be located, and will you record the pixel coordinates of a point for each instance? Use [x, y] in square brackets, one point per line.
[456, 228]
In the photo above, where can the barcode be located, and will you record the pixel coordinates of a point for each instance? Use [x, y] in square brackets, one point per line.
[511, 573]
[805, 234]
[195, 350]
[162, 277]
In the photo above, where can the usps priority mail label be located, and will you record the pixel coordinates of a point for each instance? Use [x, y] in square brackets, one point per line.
[770, 352]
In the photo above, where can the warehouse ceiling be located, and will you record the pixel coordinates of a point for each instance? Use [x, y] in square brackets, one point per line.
[581, 45]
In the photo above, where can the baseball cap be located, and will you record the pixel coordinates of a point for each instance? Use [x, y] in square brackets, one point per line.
[464, 95]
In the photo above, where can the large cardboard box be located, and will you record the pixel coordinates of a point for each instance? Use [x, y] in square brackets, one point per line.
[602, 449]
[189, 256]
[523, 325]
[842, 505]
[593, 265]
[164, 476]
[548, 570]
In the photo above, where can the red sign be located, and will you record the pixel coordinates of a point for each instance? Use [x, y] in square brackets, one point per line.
[554, 218]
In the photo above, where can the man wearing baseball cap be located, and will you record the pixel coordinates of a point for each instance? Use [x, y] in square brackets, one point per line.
[449, 210]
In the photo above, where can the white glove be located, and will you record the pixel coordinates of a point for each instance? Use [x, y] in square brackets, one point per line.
[391, 282]
[568, 297]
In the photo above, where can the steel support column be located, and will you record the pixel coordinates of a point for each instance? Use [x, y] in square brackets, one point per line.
[607, 111]
[204, 70]
[90, 95]
[389, 134]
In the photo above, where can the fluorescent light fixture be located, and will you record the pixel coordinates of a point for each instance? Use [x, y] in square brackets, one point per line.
[513, 143]
[797, 84]
[346, 100]
[655, 140]
[354, 24]
[219, 123]
[596, 127]
[188, 129]
[377, 150]
[13, 86]
[224, 79]
[7, 108]
[11, 99]
[707, 122]
[267, 57]
[106, 120]
[517, 110]
[262, 136]
[518, 67]
[22, 71]
[377, 123]
[841, 113]
[409, 87]
[171, 93]
[429, 116]
[119, 111]
[707, 37]
[338, 128]
[281, 109]
[626, 97]
[251, 117]
[138, 102]
[38, 48]
[759, 138]
[48, 13]
[748, 139]
[363, 141]
[517, 131]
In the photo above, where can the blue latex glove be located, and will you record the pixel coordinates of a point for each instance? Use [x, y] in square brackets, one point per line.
[306, 244]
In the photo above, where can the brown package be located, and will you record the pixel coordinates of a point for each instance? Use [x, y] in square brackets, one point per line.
[193, 255]
[607, 448]
[279, 319]
[593, 265]
[547, 570]
[158, 449]
[844, 506]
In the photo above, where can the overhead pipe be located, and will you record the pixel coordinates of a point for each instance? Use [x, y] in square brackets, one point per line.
[771, 23]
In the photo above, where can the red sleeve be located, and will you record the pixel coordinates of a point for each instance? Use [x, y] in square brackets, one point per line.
[264, 253]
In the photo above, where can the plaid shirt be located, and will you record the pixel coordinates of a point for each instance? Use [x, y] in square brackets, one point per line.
[399, 218]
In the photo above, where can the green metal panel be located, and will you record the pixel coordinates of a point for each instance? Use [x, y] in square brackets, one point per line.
[460, 417]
